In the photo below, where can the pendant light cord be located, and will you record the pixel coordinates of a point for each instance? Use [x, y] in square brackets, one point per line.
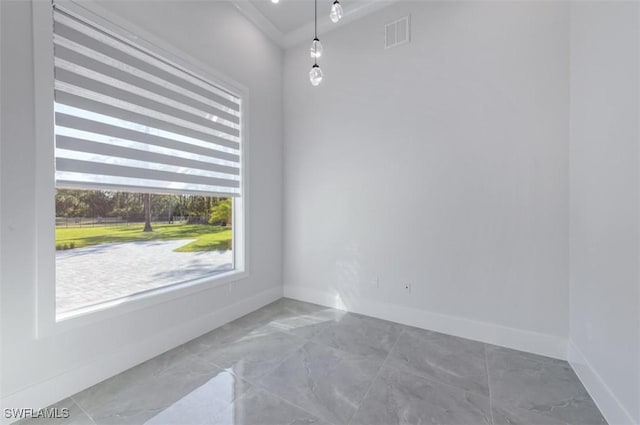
[315, 20]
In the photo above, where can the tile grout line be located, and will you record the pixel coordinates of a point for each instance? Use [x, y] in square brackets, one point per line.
[168, 366]
[73, 400]
[349, 353]
[240, 397]
[187, 356]
[486, 366]
[259, 386]
[431, 380]
[384, 362]
[279, 397]
[304, 341]
[264, 388]
[255, 383]
[255, 387]
[285, 358]
[314, 341]
[435, 382]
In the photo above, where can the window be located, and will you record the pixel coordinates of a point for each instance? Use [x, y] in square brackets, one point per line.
[148, 171]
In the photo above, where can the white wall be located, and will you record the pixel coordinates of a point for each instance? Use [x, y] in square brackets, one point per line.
[442, 163]
[604, 230]
[36, 372]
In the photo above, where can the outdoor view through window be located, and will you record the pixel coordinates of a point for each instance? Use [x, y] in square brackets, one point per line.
[148, 168]
[112, 244]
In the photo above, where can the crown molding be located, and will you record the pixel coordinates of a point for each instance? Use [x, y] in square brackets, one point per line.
[259, 20]
[305, 32]
[301, 34]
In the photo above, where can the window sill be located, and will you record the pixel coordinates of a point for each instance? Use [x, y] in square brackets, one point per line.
[103, 311]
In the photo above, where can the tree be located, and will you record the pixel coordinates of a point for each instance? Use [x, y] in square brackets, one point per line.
[99, 202]
[221, 213]
[147, 213]
[69, 203]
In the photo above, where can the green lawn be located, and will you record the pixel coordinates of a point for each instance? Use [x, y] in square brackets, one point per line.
[207, 238]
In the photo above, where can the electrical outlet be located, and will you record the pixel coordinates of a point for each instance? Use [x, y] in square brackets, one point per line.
[407, 288]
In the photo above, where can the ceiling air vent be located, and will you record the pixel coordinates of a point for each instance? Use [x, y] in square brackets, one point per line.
[397, 32]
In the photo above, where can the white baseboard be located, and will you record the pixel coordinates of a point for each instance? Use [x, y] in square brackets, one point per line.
[69, 383]
[518, 339]
[606, 400]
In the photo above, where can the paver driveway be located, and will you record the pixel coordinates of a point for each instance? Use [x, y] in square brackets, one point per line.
[104, 272]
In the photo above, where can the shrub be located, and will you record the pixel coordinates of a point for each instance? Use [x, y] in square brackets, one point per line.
[221, 213]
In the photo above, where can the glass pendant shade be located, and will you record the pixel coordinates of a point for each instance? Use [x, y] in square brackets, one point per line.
[315, 75]
[336, 12]
[316, 49]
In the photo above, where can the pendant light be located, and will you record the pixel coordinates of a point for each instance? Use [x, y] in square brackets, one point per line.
[316, 48]
[315, 75]
[336, 12]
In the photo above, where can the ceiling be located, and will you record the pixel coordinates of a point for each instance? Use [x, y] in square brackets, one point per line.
[289, 15]
[291, 21]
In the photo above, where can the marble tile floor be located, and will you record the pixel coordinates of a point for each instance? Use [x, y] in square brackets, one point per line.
[297, 363]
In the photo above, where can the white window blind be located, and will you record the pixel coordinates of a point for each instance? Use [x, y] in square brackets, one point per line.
[127, 119]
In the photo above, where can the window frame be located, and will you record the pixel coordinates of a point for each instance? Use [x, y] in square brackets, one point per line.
[48, 323]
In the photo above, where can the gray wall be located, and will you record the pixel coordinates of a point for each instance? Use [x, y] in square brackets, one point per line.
[442, 163]
[605, 296]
